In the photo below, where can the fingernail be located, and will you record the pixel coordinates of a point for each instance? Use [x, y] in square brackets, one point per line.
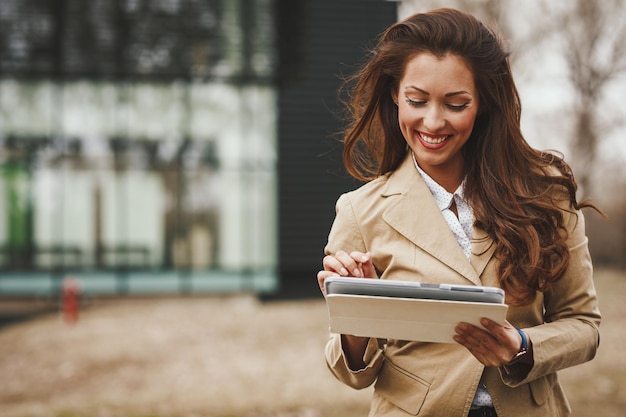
[344, 272]
[357, 272]
[365, 258]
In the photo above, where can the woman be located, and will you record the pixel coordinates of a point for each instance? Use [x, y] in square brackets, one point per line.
[455, 194]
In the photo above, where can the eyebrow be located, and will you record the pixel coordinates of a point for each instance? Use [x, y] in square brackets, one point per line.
[452, 94]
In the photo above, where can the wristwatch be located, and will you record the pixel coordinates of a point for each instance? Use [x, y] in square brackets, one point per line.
[523, 349]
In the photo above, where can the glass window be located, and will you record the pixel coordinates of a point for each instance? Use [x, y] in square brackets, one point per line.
[139, 138]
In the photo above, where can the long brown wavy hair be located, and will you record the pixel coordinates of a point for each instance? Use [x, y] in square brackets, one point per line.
[514, 189]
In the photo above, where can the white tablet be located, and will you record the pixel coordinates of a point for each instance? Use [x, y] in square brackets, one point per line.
[408, 310]
[412, 289]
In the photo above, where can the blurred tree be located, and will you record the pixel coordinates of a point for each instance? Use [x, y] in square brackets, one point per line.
[595, 52]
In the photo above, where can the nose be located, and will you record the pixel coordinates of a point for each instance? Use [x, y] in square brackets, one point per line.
[434, 119]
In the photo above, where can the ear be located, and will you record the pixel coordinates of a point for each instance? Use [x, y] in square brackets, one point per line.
[394, 97]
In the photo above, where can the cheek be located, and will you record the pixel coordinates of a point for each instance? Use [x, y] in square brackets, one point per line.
[465, 123]
[408, 117]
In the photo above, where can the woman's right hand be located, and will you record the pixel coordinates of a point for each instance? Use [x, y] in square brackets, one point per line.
[356, 264]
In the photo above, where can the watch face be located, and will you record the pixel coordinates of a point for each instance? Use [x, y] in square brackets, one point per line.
[518, 356]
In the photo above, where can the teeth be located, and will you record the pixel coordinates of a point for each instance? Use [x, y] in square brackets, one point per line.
[432, 140]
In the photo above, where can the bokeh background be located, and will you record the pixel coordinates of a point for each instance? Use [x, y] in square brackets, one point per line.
[179, 161]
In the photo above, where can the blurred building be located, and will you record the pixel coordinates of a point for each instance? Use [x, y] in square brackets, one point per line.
[173, 145]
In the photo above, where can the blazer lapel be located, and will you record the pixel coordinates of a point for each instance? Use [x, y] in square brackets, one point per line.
[417, 217]
[483, 249]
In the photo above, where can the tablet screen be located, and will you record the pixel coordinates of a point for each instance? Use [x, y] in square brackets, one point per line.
[412, 289]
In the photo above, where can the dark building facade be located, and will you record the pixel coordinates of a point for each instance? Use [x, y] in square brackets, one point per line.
[318, 42]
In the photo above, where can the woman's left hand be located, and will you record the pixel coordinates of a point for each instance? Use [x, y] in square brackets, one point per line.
[495, 346]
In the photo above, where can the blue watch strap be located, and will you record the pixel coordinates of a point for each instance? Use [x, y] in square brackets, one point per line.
[524, 347]
[522, 351]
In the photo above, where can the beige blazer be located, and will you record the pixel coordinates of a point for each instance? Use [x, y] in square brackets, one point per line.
[396, 218]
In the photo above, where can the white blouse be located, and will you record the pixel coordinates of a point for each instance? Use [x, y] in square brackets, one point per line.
[460, 226]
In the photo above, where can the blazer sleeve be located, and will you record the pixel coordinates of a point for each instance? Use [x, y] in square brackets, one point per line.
[358, 378]
[345, 235]
[570, 333]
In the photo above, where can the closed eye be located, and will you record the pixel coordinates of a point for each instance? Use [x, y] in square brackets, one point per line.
[415, 103]
[457, 107]
[420, 103]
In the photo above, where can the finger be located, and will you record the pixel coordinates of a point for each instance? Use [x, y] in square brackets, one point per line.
[472, 342]
[480, 343]
[484, 355]
[473, 347]
[366, 264]
[321, 278]
[471, 333]
[496, 328]
[505, 334]
[351, 265]
[495, 347]
[334, 265]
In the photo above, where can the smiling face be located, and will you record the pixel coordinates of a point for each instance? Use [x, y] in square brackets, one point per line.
[437, 106]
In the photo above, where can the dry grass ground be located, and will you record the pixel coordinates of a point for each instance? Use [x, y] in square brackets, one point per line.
[227, 357]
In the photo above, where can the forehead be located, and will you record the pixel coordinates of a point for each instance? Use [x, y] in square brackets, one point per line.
[429, 72]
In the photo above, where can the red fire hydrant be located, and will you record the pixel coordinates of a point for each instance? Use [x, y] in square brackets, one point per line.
[70, 299]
